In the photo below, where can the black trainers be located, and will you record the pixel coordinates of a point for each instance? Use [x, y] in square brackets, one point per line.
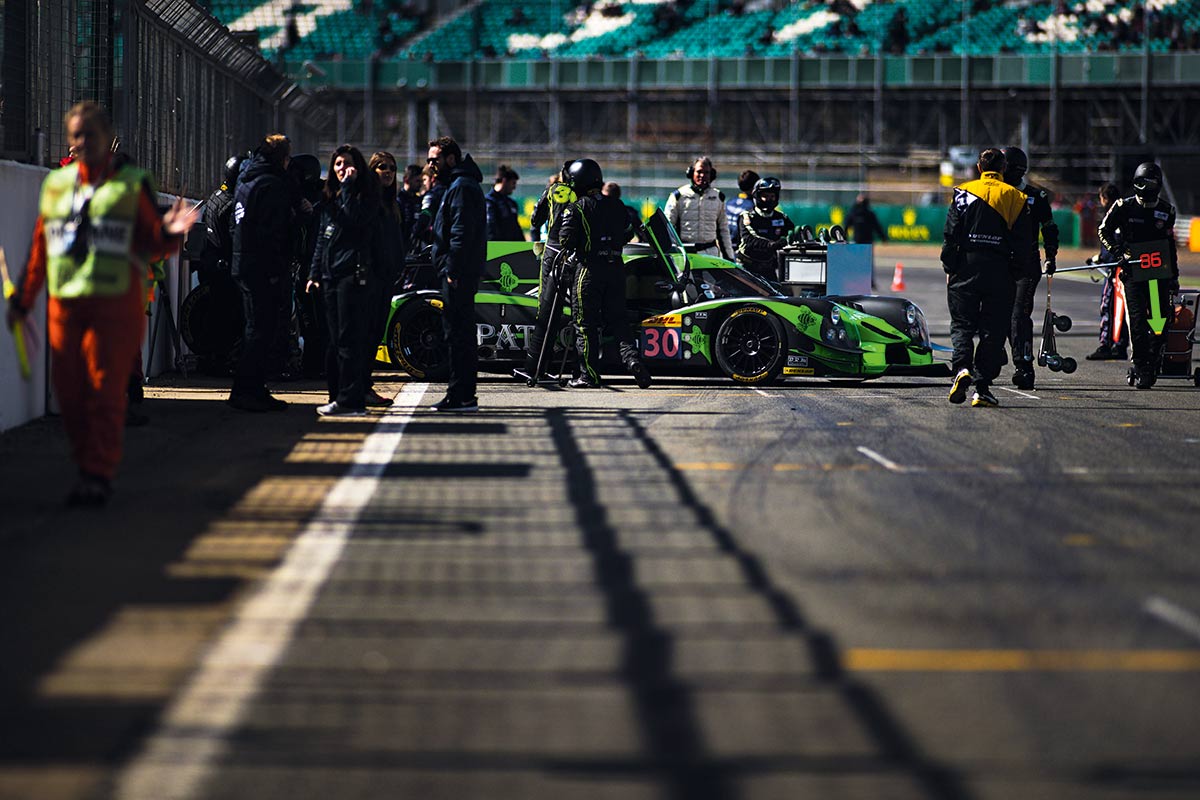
[374, 398]
[450, 404]
[334, 410]
[640, 374]
[274, 403]
[1101, 353]
[958, 389]
[258, 404]
[1023, 379]
[983, 397]
[1145, 380]
[90, 491]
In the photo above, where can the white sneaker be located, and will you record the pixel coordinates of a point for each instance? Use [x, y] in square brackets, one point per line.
[334, 410]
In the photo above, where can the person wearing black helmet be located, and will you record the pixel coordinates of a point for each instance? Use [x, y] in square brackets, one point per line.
[1041, 219]
[218, 240]
[593, 232]
[1139, 231]
[764, 230]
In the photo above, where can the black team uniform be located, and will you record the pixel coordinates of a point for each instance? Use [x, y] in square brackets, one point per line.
[594, 230]
[986, 244]
[1041, 218]
[1134, 231]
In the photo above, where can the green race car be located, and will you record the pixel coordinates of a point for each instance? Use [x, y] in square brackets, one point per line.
[693, 314]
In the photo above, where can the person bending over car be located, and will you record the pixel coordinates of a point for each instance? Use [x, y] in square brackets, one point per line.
[763, 231]
[594, 230]
[986, 242]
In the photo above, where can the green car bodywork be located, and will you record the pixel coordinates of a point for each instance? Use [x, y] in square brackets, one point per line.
[692, 314]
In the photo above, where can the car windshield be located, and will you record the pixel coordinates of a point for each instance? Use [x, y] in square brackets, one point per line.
[715, 284]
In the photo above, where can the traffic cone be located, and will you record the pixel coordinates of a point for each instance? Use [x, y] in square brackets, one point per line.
[898, 278]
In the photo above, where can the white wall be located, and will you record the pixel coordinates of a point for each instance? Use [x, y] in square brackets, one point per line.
[21, 401]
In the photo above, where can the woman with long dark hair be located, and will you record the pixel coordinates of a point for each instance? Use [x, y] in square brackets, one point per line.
[342, 268]
[389, 261]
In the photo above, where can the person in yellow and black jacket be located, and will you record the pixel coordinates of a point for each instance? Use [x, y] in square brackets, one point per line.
[986, 244]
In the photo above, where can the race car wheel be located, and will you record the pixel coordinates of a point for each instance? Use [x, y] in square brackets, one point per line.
[751, 345]
[415, 340]
[211, 320]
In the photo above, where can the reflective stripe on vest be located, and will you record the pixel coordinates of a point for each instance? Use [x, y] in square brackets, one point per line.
[112, 210]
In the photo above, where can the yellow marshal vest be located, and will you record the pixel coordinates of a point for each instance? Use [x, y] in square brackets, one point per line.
[105, 269]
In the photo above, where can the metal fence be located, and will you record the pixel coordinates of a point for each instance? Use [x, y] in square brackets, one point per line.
[183, 91]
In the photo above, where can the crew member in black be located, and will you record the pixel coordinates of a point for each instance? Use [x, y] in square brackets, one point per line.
[594, 230]
[1040, 217]
[1139, 232]
[262, 228]
[502, 222]
[763, 231]
[217, 255]
[986, 243]
[556, 274]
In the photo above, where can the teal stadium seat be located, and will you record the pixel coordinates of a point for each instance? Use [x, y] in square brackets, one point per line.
[518, 29]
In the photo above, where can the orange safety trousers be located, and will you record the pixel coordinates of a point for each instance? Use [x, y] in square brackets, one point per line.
[93, 341]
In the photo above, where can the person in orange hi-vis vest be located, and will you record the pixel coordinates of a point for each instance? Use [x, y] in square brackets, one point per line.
[97, 228]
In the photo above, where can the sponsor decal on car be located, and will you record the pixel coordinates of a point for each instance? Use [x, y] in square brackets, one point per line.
[503, 338]
[797, 361]
[798, 371]
[664, 321]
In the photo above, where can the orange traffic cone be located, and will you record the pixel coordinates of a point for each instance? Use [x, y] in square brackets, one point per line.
[898, 278]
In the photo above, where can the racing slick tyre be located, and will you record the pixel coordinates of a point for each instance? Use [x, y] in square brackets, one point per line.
[1069, 365]
[1062, 323]
[751, 346]
[415, 340]
[211, 320]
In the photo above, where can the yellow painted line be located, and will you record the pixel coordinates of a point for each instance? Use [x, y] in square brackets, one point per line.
[867, 660]
[1129, 425]
[844, 424]
[1078, 540]
[715, 466]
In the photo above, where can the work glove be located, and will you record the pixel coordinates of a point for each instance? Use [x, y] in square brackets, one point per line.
[1050, 266]
[778, 244]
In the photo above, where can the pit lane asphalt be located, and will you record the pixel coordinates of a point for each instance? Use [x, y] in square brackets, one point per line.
[814, 589]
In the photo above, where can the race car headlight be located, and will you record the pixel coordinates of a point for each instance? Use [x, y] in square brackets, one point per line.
[835, 332]
[917, 330]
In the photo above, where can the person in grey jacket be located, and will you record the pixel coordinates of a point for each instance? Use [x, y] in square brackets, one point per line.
[697, 210]
[459, 253]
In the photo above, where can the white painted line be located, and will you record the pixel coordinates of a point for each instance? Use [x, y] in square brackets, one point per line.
[886, 463]
[765, 394]
[194, 733]
[1023, 394]
[1164, 610]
